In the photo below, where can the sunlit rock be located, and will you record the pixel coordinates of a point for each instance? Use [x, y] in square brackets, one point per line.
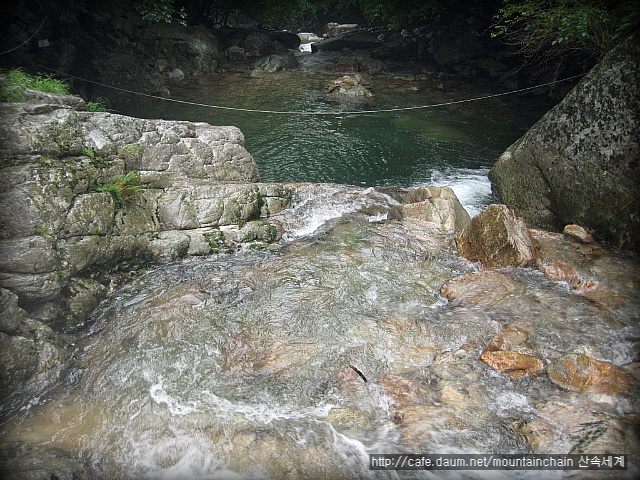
[513, 364]
[577, 233]
[437, 205]
[497, 238]
[583, 374]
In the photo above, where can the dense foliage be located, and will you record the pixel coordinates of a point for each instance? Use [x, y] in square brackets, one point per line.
[389, 13]
[556, 29]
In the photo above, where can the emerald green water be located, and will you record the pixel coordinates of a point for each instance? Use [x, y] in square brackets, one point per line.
[452, 145]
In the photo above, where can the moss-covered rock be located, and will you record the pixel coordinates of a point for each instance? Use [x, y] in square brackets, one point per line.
[580, 163]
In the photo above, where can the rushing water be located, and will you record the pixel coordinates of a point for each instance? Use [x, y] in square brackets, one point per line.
[239, 366]
[453, 145]
[246, 366]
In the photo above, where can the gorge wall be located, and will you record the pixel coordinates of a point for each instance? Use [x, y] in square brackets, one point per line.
[85, 195]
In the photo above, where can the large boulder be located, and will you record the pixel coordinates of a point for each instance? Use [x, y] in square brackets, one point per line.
[188, 48]
[580, 162]
[497, 238]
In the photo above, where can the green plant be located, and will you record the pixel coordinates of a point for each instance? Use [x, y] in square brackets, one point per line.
[161, 11]
[100, 105]
[132, 150]
[18, 78]
[89, 152]
[43, 231]
[122, 187]
[556, 29]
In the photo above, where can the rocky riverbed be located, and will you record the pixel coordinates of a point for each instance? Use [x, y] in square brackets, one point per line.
[166, 315]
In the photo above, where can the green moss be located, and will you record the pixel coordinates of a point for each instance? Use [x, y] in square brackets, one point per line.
[215, 239]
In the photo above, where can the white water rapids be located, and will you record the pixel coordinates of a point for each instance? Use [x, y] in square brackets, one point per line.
[239, 366]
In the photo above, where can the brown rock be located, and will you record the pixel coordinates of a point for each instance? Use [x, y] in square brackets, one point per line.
[559, 271]
[437, 205]
[577, 234]
[485, 287]
[513, 364]
[513, 335]
[497, 238]
[406, 390]
[583, 374]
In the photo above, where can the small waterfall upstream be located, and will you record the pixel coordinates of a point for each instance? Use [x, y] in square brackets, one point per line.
[245, 366]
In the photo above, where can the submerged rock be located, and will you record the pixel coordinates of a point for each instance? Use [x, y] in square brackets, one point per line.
[348, 86]
[484, 287]
[513, 364]
[497, 238]
[583, 374]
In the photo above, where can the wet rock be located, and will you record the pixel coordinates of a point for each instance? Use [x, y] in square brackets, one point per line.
[275, 63]
[513, 364]
[350, 41]
[255, 231]
[437, 205]
[405, 390]
[13, 317]
[333, 29]
[19, 361]
[33, 254]
[348, 419]
[170, 245]
[21, 461]
[176, 75]
[583, 374]
[348, 86]
[577, 233]
[484, 287]
[558, 172]
[497, 238]
[236, 53]
[513, 335]
[559, 271]
[84, 295]
[58, 231]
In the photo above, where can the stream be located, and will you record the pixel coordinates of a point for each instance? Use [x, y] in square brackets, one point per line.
[252, 365]
[301, 360]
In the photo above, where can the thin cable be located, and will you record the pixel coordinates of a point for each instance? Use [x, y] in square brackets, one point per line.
[28, 39]
[289, 112]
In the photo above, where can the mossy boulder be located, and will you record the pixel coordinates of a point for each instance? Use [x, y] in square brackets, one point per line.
[580, 163]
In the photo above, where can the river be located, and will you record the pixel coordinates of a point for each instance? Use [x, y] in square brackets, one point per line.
[301, 360]
[452, 145]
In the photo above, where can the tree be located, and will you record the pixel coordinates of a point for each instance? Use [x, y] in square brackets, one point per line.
[555, 30]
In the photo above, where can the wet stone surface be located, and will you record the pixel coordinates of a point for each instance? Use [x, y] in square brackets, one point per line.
[254, 364]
